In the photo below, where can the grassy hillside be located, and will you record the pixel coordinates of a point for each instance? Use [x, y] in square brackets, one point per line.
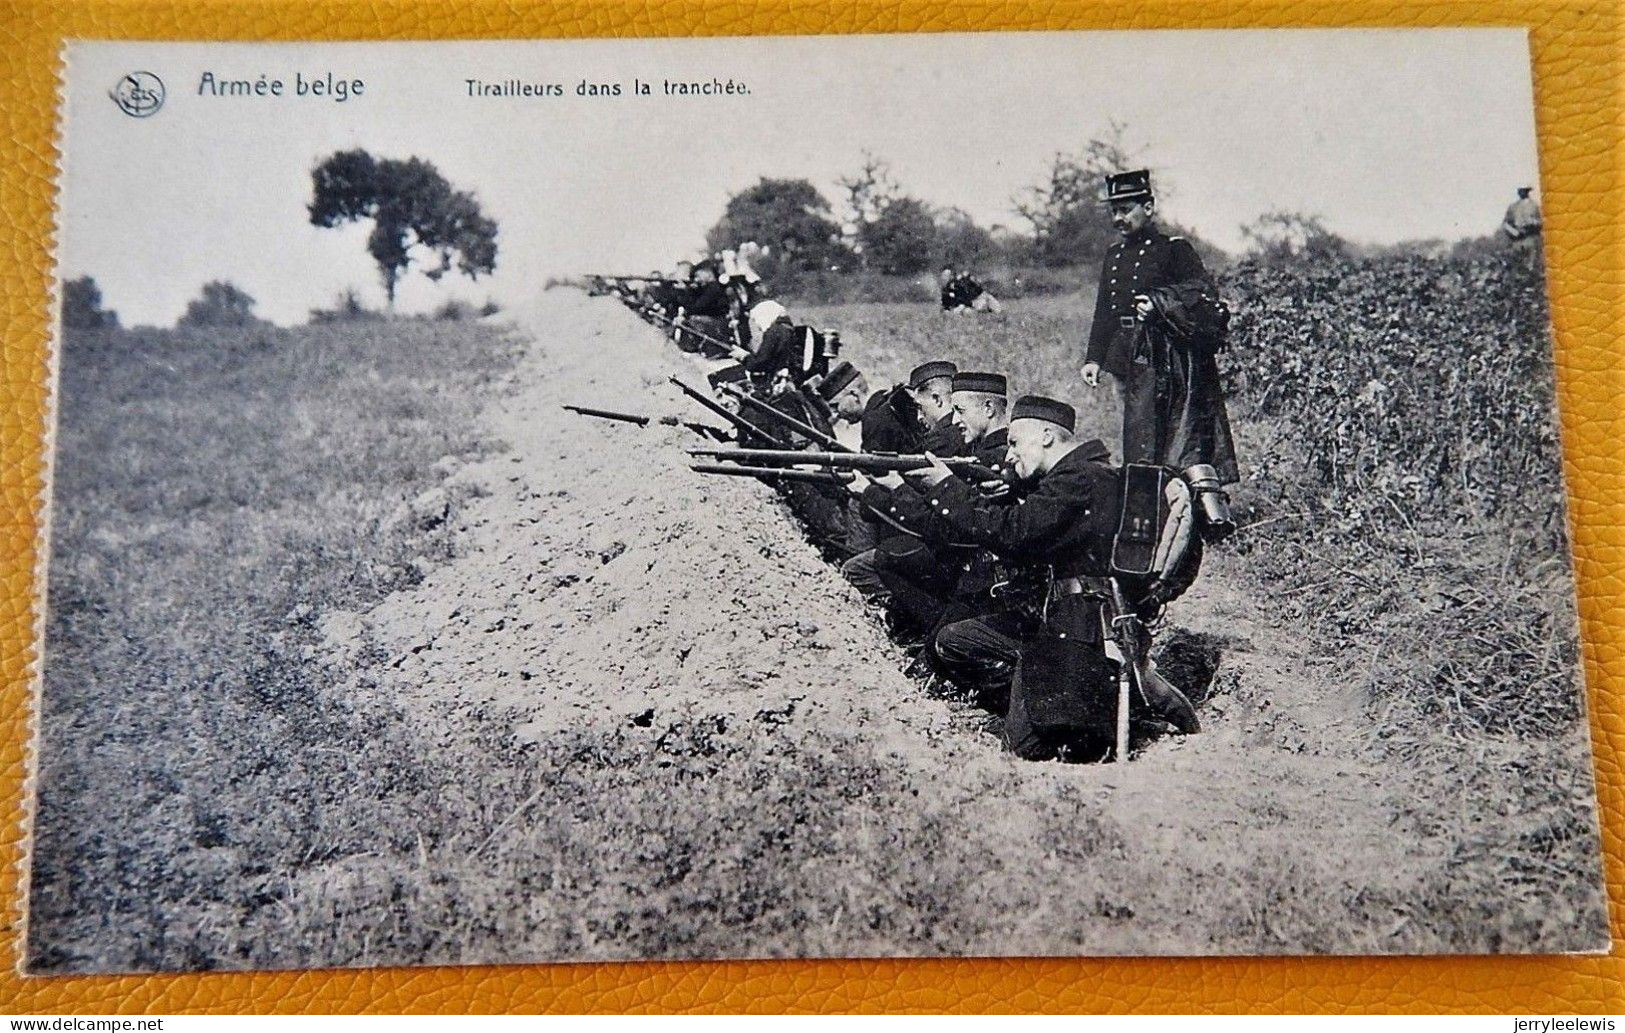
[214, 493]
[1402, 439]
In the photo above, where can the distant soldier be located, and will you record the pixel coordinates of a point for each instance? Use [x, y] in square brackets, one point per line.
[670, 296]
[704, 322]
[962, 292]
[1522, 223]
[1148, 333]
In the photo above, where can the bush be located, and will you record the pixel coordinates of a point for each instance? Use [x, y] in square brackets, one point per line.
[82, 306]
[221, 304]
[347, 308]
[1406, 464]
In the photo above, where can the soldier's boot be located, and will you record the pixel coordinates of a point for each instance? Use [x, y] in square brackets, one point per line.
[1167, 702]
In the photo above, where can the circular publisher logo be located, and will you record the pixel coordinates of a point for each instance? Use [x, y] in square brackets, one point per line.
[139, 94]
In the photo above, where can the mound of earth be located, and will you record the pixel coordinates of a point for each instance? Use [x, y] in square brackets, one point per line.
[601, 584]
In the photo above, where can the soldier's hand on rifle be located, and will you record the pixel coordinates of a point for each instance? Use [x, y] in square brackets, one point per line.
[890, 479]
[1091, 374]
[739, 354]
[993, 489]
[1142, 305]
[934, 474]
[858, 482]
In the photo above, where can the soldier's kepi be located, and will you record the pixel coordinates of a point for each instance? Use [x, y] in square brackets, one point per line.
[1151, 284]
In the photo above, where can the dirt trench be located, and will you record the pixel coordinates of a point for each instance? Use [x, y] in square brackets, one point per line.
[599, 583]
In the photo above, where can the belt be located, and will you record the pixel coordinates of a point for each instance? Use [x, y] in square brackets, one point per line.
[1081, 586]
[1127, 322]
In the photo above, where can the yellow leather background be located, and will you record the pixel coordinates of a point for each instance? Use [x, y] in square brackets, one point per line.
[1578, 47]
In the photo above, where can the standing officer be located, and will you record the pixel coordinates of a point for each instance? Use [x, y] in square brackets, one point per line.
[1150, 283]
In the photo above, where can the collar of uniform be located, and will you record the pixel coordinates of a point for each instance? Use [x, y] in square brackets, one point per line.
[1091, 451]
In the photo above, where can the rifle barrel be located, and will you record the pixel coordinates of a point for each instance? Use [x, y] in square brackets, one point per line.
[741, 424]
[609, 414]
[769, 473]
[878, 461]
[784, 419]
[688, 329]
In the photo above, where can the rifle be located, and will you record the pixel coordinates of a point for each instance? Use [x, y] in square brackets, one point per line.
[784, 419]
[769, 473]
[702, 429]
[681, 328]
[876, 462]
[742, 425]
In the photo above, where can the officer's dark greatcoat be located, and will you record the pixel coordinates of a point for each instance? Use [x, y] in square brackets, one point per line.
[1173, 410]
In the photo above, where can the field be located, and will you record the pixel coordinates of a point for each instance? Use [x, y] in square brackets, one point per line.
[360, 651]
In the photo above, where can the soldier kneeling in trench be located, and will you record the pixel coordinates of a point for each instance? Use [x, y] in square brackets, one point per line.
[1062, 696]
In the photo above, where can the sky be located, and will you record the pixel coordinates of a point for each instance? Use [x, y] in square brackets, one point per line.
[1387, 135]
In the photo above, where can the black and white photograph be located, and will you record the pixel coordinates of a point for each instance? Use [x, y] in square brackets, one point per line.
[958, 495]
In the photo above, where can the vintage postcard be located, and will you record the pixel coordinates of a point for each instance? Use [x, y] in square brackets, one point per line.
[946, 495]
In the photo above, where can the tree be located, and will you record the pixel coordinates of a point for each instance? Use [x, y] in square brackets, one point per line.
[411, 206]
[1276, 238]
[1070, 225]
[82, 306]
[788, 216]
[901, 239]
[221, 304]
[867, 195]
[961, 243]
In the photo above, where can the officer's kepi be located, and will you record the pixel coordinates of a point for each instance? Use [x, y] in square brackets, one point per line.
[1128, 186]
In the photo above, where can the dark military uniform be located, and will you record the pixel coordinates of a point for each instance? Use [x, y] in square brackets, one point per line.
[1066, 522]
[824, 511]
[779, 348]
[961, 292]
[1173, 409]
[890, 422]
[707, 314]
[921, 574]
[1136, 265]
[798, 350]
